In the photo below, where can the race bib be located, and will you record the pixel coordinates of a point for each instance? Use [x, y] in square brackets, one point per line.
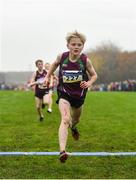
[41, 85]
[40, 80]
[72, 76]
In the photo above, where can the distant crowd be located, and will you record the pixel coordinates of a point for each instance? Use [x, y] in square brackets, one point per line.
[4, 86]
[127, 85]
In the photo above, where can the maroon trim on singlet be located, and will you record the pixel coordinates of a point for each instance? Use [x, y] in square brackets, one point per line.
[40, 75]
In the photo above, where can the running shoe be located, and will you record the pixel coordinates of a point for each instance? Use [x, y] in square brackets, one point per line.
[75, 133]
[63, 156]
[41, 118]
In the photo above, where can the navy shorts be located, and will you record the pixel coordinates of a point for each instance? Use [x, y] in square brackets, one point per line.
[76, 103]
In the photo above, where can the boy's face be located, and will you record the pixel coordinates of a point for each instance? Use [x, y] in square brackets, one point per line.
[40, 65]
[47, 66]
[75, 46]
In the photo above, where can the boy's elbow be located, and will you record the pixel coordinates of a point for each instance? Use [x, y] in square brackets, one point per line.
[96, 76]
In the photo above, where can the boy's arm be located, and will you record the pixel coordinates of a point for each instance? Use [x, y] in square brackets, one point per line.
[53, 67]
[51, 81]
[92, 73]
[32, 81]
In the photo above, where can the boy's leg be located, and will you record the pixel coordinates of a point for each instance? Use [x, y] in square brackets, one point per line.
[38, 107]
[75, 113]
[64, 107]
[46, 99]
[50, 103]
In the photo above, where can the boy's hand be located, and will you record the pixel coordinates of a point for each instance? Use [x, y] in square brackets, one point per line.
[46, 81]
[85, 84]
[32, 84]
[29, 85]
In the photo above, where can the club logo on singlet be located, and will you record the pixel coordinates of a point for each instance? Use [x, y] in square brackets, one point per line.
[72, 76]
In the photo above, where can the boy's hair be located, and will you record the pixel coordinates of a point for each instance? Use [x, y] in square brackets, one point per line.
[37, 61]
[75, 34]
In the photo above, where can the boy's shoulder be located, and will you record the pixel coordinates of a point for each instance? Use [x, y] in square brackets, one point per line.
[83, 56]
[64, 55]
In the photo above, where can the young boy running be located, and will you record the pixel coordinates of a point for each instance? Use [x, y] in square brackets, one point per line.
[50, 94]
[73, 84]
[41, 91]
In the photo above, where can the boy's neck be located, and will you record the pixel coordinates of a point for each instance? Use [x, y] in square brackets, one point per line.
[73, 57]
[40, 70]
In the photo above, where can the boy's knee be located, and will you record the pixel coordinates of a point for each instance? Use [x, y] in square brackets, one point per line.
[77, 120]
[66, 120]
[76, 117]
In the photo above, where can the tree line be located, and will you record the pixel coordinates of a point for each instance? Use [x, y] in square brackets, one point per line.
[113, 64]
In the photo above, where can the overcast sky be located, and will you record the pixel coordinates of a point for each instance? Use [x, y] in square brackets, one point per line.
[32, 29]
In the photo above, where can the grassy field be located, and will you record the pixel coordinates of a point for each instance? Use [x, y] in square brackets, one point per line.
[108, 123]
